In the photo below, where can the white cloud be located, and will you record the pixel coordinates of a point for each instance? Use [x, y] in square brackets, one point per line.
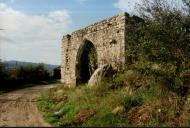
[35, 38]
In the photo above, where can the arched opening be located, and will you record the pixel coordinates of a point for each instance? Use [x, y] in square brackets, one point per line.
[86, 62]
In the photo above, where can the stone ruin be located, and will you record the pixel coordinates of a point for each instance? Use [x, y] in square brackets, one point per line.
[89, 48]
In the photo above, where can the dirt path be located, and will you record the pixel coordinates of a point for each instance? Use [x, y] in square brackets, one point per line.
[19, 108]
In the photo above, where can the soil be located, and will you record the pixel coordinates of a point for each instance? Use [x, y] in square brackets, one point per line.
[19, 108]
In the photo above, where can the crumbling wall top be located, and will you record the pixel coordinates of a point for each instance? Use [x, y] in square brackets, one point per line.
[106, 23]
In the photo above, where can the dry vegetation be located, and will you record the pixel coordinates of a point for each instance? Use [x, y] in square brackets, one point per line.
[148, 105]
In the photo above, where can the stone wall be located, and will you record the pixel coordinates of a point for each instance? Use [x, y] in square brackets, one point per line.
[108, 38]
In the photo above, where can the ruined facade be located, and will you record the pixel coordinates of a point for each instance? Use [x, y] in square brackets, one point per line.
[98, 44]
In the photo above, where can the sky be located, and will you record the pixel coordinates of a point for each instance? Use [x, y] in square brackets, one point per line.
[31, 30]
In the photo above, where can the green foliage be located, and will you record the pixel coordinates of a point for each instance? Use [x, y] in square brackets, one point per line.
[3, 73]
[132, 101]
[104, 119]
[131, 77]
[31, 73]
[151, 102]
[84, 98]
[51, 118]
[20, 76]
[118, 81]
[161, 39]
[45, 103]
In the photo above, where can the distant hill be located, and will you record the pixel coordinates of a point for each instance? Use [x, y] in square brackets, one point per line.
[13, 64]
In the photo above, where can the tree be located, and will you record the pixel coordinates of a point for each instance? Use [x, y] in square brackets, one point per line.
[163, 38]
[2, 72]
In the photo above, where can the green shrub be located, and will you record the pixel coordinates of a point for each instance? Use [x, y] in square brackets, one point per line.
[69, 111]
[52, 119]
[143, 67]
[45, 103]
[162, 38]
[105, 118]
[185, 76]
[103, 88]
[22, 76]
[118, 81]
[131, 76]
[3, 73]
[132, 101]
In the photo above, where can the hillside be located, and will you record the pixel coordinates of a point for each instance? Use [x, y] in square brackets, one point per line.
[128, 99]
[13, 64]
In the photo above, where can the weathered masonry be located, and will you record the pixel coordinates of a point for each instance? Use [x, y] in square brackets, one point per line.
[87, 49]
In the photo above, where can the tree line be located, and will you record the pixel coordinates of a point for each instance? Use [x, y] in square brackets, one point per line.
[22, 75]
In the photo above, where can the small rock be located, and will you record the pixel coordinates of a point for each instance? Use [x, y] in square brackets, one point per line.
[118, 109]
[57, 113]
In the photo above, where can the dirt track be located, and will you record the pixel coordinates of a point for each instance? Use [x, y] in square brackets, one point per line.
[19, 108]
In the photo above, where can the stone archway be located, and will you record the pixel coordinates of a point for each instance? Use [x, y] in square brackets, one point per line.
[107, 38]
[86, 62]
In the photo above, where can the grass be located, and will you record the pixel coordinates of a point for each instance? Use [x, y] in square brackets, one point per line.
[83, 98]
[146, 102]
